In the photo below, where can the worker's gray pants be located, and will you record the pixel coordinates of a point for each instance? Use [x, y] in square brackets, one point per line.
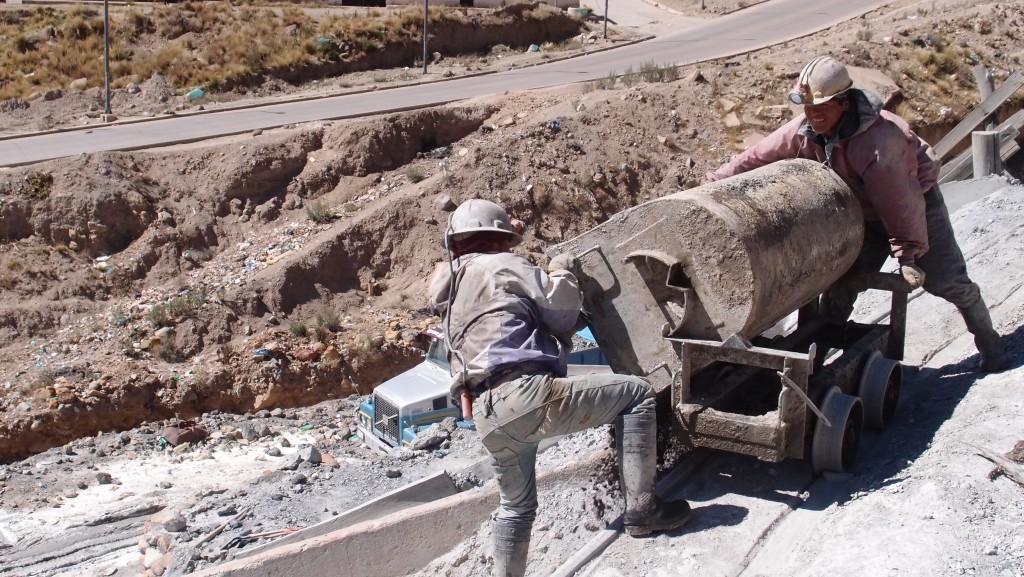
[943, 265]
[515, 416]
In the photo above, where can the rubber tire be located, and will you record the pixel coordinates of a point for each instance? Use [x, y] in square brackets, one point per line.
[835, 448]
[879, 390]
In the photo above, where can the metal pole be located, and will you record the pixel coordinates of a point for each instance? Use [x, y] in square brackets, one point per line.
[106, 58]
[426, 16]
[605, 19]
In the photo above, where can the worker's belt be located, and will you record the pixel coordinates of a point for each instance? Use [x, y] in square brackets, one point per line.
[504, 375]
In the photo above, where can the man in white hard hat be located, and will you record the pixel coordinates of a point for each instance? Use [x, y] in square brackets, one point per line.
[510, 326]
[894, 175]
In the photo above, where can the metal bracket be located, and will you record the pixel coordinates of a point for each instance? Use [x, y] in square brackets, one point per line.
[737, 341]
[784, 375]
[658, 255]
[685, 293]
[656, 367]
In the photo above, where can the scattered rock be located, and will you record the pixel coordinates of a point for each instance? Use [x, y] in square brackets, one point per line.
[310, 454]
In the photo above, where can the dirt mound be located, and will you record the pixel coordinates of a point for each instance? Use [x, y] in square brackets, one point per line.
[303, 228]
[183, 256]
[173, 257]
[393, 141]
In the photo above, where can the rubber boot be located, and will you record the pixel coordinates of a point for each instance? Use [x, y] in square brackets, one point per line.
[637, 448]
[988, 341]
[511, 544]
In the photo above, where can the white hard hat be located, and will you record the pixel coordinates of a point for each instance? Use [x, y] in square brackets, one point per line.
[479, 215]
[821, 80]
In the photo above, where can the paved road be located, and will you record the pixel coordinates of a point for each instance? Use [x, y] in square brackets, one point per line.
[759, 26]
[642, 14]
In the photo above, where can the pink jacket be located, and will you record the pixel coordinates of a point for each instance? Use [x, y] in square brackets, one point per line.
[886, 165]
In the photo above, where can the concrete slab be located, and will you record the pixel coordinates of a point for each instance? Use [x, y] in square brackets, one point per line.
[957, 194]
[400, 543]
[428, 490]
[397, 544]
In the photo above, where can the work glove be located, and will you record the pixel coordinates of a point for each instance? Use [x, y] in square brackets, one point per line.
[912, 274]
[565, 261]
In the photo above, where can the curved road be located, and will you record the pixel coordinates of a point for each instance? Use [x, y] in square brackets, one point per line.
[750, 29]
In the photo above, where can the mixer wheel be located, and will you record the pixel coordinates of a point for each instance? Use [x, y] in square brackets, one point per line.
[834, 447]
[879, 390]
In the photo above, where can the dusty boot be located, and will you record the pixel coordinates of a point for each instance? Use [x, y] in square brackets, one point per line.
[637, 448]
[511, 543]
[988, 341]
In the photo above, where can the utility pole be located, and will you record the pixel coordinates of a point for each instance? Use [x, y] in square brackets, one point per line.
[605, 19]
[106, 58]
[426, 17]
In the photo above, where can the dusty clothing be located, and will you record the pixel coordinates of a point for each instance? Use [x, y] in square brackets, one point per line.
[506, 313]
[512, 323]
[944, 267]
[516, 416]
[886, 165]
[894, 175]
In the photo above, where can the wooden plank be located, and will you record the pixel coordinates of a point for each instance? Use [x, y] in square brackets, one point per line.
[961, 166]
[1012, 470]
[968, 124]
[986, 86]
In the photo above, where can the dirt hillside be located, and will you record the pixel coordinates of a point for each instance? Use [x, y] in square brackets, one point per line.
[260, 284]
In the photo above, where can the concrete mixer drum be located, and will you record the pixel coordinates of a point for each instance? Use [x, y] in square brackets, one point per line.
[692, 280]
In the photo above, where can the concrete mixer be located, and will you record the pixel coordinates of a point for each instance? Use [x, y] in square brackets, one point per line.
[682, 289]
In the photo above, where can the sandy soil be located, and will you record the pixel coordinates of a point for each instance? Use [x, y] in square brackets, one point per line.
[216, 241]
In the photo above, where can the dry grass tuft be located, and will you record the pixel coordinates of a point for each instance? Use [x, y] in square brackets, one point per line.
[215, 45]
[37, 185]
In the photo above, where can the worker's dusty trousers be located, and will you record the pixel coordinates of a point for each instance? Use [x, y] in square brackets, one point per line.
[516, 416]
[943, 264]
